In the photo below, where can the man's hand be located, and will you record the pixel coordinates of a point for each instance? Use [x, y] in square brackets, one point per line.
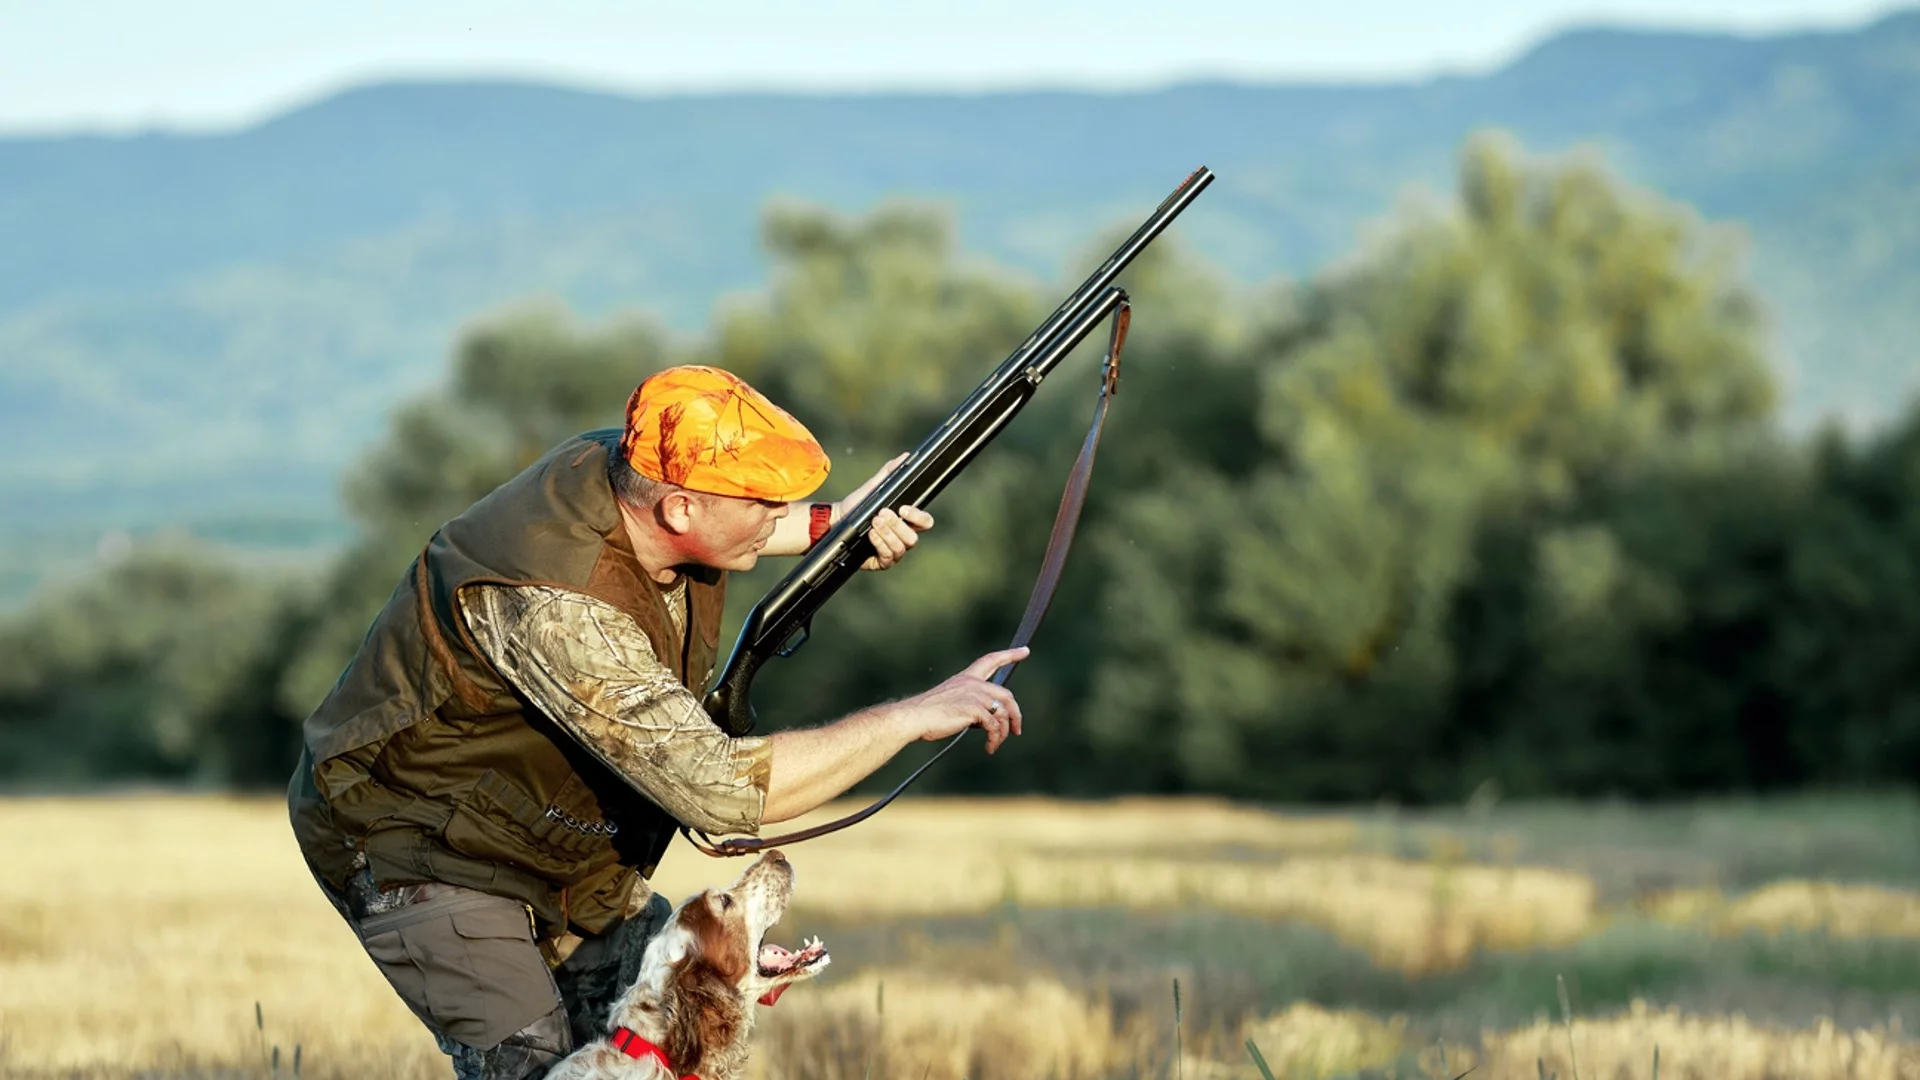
[969, 700]
[813, 765]
[892, 534]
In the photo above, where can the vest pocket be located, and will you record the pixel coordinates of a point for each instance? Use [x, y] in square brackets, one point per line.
[498, 822]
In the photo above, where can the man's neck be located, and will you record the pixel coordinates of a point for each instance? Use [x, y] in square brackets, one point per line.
[654, 550]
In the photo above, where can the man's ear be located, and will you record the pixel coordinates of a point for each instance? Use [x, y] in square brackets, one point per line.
[675, 511]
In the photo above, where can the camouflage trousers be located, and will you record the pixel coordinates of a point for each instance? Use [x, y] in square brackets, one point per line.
[466, 963]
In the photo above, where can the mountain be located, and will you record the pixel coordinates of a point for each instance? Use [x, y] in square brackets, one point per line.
[201, 326]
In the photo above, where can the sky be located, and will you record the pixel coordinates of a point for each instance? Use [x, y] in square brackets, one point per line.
[122, 65]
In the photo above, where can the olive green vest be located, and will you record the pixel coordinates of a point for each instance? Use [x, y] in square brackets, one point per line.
[427, 761]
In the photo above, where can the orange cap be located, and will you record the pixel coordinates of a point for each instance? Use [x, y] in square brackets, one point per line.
[704, 429]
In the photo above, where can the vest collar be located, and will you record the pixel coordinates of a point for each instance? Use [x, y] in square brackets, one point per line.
[632, 1045]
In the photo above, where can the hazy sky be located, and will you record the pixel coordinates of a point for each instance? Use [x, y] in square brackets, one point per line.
[119, 64]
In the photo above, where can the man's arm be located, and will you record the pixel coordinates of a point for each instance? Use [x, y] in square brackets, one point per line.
[811, 767]
[892, 534]
[589, 667]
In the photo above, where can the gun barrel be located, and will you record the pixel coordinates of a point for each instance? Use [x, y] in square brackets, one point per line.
[1103, 276]
[1035, 357]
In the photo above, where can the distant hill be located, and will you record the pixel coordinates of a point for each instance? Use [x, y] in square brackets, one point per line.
[204, 326]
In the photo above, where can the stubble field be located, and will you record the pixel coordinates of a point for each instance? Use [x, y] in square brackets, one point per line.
[180, 937]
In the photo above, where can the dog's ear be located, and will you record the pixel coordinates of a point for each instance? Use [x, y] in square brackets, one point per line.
[716, 941]
[702, 996]
[702, 1011]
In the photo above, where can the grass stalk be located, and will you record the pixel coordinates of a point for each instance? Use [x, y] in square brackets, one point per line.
[1566, 1014]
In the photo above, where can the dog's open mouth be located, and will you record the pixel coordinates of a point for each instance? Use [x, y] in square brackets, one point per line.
[786, 965]
[775, 961]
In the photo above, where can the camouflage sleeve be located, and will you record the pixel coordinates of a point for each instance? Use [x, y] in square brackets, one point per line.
[590, 667]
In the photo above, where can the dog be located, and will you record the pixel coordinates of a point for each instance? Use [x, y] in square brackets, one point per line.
[690, 1010]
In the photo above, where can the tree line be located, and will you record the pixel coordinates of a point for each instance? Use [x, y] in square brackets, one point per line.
[1501, 498]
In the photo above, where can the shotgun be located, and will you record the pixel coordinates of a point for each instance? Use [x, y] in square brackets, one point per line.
[782, 620]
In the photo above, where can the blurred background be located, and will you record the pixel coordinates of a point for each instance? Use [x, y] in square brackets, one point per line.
[1516, 469]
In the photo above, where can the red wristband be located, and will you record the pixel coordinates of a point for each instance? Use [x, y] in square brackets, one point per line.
[819, 520]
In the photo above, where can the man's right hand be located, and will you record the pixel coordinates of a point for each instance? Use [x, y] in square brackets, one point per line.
[813, 765]
[969, 700]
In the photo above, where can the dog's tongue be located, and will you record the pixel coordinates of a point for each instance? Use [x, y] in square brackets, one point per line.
[775, 958]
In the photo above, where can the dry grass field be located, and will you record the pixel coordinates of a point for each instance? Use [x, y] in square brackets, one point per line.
[179, 936]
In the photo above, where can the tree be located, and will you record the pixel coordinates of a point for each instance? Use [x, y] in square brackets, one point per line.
[1499, 498]
[161, 666]
[1845, 651]
[1291, 632]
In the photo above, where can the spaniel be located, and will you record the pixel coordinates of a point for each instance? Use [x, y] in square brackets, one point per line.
[690, 1010]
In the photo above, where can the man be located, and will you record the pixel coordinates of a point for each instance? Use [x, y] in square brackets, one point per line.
[489, 784]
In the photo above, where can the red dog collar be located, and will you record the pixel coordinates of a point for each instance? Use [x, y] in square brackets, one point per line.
[625, 1041]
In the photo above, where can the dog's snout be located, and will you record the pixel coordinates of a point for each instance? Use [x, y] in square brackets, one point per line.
[775, 855]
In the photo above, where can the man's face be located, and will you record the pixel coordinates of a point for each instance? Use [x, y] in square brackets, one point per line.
[728, 533]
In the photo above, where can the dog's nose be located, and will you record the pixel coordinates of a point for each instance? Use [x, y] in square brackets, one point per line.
[775, 855]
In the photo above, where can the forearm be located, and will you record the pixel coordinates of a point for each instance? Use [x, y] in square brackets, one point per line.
[791, 533]
[813, 766]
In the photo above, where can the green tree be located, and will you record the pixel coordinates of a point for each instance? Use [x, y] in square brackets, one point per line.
[160, 667]
[1498, 498]
[1291, 632]
[1623, 643]
[1844, 654]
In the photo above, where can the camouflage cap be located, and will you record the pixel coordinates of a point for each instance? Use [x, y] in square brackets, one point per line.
[706, 430]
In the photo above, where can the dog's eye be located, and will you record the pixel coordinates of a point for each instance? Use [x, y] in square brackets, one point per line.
[726, 901]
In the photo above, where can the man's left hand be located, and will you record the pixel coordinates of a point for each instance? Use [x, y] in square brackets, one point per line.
[892, 534]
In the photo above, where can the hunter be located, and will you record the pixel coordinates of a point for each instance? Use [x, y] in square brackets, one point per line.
[488, 787]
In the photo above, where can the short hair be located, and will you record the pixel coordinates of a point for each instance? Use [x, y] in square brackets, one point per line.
[631, 487]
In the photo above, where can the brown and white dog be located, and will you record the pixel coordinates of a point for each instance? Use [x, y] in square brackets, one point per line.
[690, 1011]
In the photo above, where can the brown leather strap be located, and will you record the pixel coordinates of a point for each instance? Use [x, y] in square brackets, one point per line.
[1051, 567]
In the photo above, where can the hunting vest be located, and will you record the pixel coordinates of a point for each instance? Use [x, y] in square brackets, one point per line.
[433, 766]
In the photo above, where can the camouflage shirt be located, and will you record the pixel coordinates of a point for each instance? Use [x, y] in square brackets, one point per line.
[588, 666]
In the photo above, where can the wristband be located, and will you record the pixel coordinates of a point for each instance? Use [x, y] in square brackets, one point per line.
[819, 520]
